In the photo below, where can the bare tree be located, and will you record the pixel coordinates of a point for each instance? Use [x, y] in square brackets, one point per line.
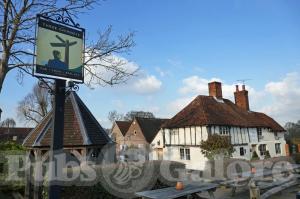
[17, 23]
[8, 123]
[132, 114]
[35, 106]
[114, 116]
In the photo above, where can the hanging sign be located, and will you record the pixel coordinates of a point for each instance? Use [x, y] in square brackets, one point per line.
[59, 50]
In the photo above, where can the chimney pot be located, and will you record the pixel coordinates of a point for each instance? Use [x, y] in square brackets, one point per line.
[244, 87]
[215, 89]
[237, 87]
[241, 98]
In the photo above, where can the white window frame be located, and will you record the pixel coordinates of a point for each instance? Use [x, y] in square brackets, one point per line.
[185, 153]
[262, 152]
[224, 130]
[277, 148]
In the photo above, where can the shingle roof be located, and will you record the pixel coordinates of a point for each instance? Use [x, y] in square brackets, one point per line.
[123, 126]
[80, 127]
[150, 127]
[9, 133]
[206, 110]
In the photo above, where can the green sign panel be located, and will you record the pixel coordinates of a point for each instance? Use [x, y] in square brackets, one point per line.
[59, 51]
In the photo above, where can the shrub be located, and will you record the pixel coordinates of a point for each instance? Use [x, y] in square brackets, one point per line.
[254, 156]
[216, 145]
[267, 155]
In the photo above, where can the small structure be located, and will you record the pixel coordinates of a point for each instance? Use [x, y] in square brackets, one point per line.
[249, 131]
[83, 135]
[17, 134]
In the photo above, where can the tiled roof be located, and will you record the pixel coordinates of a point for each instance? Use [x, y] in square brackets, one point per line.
[207, 110]
[80, 127]
[123, 126]
[150, 127]
[9, 133]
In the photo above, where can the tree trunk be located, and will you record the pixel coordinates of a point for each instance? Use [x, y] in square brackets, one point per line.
[3, 70]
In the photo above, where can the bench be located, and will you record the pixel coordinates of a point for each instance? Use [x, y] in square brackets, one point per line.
[171, 192]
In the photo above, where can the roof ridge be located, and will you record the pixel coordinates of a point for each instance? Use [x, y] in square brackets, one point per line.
[82, 127]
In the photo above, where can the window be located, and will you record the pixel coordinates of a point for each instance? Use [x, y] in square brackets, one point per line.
[185, 154]
[242, 151]
[262, 149]
[224, 130]
[182, 154]
[259, 132]
[277, 148]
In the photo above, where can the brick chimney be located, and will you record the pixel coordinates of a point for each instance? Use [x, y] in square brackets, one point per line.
[241, 98]
[215, 89]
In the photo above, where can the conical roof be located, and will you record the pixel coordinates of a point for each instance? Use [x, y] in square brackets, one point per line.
[80, 128]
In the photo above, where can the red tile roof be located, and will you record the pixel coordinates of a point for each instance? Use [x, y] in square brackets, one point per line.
[123, 126]
[206, 110]
[80, 128]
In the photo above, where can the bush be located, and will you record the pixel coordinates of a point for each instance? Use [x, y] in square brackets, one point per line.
[10, 148]
[254, 156]
[267, 155]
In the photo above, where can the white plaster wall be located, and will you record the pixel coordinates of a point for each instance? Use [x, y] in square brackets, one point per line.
[197, 161]
[236, 153]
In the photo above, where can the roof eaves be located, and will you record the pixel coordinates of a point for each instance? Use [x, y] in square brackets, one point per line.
[33, 129]
[40, 137]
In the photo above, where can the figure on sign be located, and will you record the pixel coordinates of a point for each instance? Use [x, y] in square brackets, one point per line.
[56, 62]
[64, 43]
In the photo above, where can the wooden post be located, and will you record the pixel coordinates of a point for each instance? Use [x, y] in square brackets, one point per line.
[28, 173]
[38, 175]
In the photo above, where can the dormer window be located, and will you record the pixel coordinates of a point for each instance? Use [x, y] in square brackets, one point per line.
[224, 130]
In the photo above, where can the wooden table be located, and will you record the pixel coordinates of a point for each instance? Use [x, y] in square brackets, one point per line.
[171, 192]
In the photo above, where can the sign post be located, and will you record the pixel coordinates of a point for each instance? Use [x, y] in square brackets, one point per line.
[59, 56]
[57, 137]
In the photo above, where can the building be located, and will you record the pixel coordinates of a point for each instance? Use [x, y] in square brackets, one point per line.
[141, 133]
[118, 131]
[17, 134]
[249, 131]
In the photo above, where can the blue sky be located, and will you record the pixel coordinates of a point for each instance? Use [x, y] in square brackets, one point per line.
[181, 45]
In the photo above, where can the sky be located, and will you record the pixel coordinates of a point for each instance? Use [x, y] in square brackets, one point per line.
[181, 45]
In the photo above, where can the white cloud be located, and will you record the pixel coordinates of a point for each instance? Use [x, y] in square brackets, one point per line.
[279, 100]
[177, 105]
[147, 85]
[284, 103]
[102, 69]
